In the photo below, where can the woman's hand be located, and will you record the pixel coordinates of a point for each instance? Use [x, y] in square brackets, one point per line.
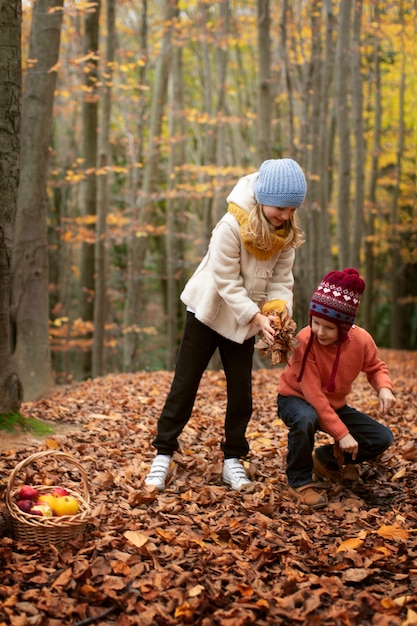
[268, 333]
[349, 444]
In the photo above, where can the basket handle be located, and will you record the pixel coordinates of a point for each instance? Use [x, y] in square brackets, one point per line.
[39, 455]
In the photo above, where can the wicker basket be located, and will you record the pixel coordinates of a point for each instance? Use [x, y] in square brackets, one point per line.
[46, 530]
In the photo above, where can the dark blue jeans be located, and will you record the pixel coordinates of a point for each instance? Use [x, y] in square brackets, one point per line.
[303, 422]
[197, 346]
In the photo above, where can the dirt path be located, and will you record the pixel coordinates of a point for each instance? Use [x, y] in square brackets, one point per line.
[19, 440]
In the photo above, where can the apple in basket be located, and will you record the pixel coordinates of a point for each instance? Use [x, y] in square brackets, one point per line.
[25, 505]
[48, 498]
[60, 491]
[27, 492]
[43, 509]
[66, 505]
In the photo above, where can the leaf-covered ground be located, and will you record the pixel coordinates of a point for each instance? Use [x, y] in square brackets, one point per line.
[200, 553]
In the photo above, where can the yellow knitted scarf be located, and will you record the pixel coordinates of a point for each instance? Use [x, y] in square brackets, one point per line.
[261, 255]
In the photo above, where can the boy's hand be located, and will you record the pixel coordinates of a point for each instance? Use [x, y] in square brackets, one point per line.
[386, 400]
[349, 444]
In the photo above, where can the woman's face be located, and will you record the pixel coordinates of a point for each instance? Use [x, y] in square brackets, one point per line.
[326, 332]
[277, 215]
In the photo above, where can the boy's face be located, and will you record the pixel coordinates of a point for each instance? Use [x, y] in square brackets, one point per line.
[326, 332]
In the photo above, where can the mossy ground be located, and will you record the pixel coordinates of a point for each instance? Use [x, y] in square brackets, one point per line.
[15, 422]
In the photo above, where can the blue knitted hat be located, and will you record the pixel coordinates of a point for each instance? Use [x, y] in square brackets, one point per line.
[281, 183]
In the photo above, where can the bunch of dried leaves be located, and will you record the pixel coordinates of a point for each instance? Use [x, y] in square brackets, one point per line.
[284, 341]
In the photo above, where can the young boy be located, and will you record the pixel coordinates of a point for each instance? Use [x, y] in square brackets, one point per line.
[331, 353]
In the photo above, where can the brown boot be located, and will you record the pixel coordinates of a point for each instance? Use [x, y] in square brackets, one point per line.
[309, 495]
[351, 473]
[323, 472]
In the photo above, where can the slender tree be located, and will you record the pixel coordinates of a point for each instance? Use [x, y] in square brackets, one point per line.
[398, 337]
[100, 299]
[264, 91]
[139, 241]
[358, 133]
[136, 147]
[371, 208]
[11, 392]
[175, 222]
[30, 299]
[90, 142]
[343, 129]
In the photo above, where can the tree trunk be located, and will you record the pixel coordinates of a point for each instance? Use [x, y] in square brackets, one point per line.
[100, 299]
[373, 182]
[343, 128]
[139, 240]
[358, 130]
[398, 268]
[287, 79]
[130, 313]
[11, 391]
[90, 124]
[30, 300]
[264, 81]
[175, 223]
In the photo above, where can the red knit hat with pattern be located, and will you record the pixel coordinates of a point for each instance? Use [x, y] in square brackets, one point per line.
[336, 299]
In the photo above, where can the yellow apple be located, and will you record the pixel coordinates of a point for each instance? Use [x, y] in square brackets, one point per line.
[66, 505]
[48, 498]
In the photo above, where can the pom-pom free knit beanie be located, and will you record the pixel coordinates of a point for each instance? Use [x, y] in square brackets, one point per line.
[336, 299]
[281, 183]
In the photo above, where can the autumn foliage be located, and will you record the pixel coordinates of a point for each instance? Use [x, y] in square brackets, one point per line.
[200, 553]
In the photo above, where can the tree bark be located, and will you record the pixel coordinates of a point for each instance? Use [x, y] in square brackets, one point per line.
[11, 391]
[139, 241]
[358, 128]
[372, 193]
[343, 128]
[136, 152]
[90, 135]
[398, 321]
[30, 298]
[100, 299]
[264, 81]
[175, 222]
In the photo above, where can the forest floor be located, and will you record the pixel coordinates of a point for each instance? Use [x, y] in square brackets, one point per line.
[200, 553]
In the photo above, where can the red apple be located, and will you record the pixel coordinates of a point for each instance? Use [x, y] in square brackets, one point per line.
[27, 492]
[25, 505]
[60, 491]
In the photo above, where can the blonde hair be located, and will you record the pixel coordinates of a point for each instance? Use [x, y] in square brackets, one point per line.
[259, 233]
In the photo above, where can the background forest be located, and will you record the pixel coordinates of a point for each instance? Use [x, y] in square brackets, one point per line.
[138, 116]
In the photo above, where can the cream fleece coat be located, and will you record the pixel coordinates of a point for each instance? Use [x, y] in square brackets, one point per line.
[230, 285]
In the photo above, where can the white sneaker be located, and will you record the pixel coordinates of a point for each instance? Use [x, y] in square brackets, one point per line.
[234, 474]
[158, 472]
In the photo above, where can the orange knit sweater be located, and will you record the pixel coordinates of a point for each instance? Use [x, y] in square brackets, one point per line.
[358, 354]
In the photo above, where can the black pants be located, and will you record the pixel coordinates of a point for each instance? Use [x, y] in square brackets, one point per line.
[303, 422]
[198, 345]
